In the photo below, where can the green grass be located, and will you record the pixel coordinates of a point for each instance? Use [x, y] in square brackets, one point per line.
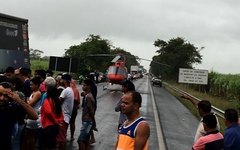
[39, 64]
[219, 102]
[44, 64]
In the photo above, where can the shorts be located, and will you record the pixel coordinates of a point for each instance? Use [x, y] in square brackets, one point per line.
[85, 131]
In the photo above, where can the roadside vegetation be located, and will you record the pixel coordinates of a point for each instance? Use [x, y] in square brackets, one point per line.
[174, 54]
[39, 64]
[222, 90]
[43, 63]
[93, 54]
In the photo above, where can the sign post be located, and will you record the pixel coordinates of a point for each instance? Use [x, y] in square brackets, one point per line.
[63, 64]
[193, 76]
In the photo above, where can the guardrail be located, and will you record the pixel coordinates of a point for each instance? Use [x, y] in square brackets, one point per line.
[216, 110]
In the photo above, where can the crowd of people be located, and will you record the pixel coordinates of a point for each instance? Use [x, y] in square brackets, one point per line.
[36, 110]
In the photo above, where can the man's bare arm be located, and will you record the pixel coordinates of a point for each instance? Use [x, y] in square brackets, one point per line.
[193, 101]
[29, 110]
[142, 135]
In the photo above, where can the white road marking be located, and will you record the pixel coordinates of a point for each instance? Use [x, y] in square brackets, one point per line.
[144, 102]
[161, 143]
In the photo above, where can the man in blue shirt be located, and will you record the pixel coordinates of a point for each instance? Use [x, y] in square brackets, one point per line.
[232, 132]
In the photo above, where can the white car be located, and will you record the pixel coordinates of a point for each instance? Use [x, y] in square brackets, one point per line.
[156, 81]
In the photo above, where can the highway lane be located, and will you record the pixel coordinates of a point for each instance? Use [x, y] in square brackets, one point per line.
[107, 118]
[177, 122]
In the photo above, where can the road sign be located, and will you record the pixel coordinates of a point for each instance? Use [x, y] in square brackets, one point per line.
[193, 76]
[63, 64]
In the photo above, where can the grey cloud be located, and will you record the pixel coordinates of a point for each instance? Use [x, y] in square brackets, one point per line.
[213, 24]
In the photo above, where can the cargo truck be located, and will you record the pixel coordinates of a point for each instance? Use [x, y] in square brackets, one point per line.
[14, 45]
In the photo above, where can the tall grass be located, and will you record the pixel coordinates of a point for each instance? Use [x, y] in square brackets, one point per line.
[223, 90]
[39, 64]
[44, 64]
[217, 101]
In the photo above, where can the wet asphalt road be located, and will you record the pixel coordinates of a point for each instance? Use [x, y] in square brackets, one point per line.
[177, 122]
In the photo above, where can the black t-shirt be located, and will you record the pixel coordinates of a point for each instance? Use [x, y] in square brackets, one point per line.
[26, 88]
[10, 113]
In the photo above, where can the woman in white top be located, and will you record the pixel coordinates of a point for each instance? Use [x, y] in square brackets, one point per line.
[29, 139]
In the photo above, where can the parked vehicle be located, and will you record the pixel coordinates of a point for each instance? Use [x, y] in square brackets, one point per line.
[14, 44]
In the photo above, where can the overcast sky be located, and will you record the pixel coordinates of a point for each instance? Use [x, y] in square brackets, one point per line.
[134, 25]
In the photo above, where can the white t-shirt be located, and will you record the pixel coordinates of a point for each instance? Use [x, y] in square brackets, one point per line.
[67, 105]
[33, 124]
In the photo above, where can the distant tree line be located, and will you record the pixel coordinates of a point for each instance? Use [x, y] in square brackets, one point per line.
[36, 54]
[88, 56]
[171, 55]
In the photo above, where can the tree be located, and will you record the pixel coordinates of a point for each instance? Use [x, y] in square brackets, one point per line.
[129, 58]
[94, 44]
[176, 53]
[35, 53]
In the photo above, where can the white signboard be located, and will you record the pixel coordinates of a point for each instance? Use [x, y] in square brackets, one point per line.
[193, 76]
